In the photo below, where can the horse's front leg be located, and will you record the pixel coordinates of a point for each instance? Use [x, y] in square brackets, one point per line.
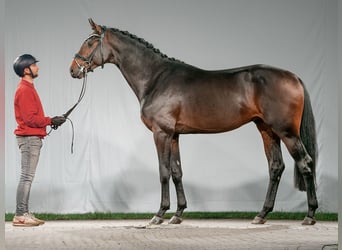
[163, 145]
[177, 175]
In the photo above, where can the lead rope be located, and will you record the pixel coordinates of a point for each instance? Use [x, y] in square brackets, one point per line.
[84, 70]
[66, 115]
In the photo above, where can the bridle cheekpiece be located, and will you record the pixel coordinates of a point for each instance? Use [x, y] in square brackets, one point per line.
[84, 68]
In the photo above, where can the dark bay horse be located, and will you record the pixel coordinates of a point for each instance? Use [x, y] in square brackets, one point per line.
[176, 98]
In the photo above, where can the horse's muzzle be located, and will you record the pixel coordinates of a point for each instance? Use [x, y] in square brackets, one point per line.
[76, 73]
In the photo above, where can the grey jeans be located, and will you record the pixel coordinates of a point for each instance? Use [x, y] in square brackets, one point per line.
[30, 150]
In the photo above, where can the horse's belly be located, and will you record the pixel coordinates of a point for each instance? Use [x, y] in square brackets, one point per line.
[210, 124]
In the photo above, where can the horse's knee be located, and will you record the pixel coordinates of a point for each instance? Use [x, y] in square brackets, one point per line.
[176, 177]
[177, 173]
[164, 179]
[276, 171]
[164, 175]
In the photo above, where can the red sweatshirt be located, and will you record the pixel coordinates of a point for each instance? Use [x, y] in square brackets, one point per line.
[29, 112]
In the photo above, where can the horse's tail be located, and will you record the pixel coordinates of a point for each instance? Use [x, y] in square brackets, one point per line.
[308, 137]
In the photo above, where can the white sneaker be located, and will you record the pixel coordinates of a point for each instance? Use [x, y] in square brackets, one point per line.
[41, 222]
[24, 220]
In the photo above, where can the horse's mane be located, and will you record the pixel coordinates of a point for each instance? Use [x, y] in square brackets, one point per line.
[142, 42]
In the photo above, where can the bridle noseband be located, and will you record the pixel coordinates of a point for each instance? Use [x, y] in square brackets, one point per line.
[84, 68]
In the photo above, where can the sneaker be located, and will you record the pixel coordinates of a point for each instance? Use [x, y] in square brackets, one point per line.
[41, 222]
[24, 220]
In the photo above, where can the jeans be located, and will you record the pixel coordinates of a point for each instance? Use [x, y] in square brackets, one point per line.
[30, 150]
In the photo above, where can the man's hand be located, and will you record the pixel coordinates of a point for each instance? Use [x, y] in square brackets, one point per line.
[57, 121]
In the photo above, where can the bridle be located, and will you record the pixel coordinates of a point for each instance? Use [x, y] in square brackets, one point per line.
[84, 68]
[87, 62]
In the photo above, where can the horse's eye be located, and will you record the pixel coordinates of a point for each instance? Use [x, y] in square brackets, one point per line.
[90, 42]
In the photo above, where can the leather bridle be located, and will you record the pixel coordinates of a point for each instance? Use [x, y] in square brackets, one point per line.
[85, 66]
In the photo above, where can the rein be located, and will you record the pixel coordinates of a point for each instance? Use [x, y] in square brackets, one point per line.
[84, 69]
[84, 86]
[66, 114]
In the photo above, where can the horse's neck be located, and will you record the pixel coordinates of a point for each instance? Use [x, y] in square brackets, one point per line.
[138, 76]
[139, 65]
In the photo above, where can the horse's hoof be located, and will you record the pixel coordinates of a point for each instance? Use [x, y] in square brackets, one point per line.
[258, 220]
[156, 220]
[308, 221]
[175, 220]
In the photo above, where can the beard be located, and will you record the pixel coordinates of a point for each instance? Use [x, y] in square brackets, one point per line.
[35, 75]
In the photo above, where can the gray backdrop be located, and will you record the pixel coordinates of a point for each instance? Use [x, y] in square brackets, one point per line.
[2, 125]
[114, 166]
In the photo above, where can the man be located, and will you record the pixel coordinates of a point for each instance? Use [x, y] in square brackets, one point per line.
[30, 131]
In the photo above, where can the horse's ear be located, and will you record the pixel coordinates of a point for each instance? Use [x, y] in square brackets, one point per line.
[97, 28]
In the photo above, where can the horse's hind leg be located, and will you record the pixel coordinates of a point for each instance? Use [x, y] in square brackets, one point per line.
[303, 163]
[276, 168]
[177, 174]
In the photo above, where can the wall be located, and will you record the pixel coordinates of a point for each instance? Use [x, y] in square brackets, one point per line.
[2, 126]
[339, 49]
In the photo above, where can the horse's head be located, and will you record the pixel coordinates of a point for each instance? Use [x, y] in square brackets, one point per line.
[93, 52]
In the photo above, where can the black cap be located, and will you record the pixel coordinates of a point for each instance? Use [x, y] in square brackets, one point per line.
[22, 62]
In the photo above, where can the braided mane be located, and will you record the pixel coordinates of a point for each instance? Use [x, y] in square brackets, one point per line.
[142, 42]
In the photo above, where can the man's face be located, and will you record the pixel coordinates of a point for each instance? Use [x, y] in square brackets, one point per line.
[32, 70]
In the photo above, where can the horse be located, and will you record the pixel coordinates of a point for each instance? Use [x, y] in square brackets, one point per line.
[177, 98]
